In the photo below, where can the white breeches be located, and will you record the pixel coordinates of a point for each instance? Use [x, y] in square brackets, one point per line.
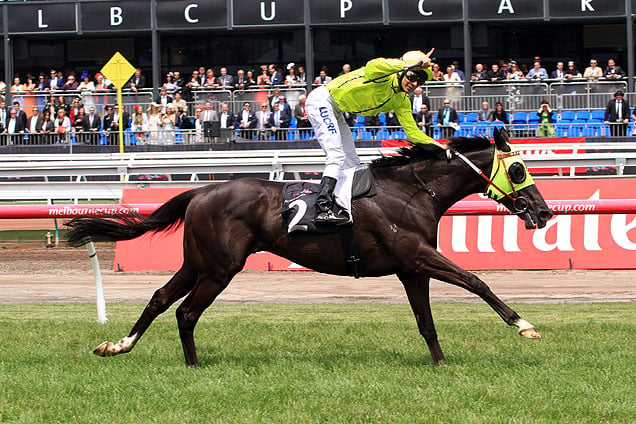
[336, 140]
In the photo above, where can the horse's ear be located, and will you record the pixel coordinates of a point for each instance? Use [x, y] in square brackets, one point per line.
[501, 139]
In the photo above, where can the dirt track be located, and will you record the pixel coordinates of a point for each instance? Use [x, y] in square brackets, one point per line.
[64, 275]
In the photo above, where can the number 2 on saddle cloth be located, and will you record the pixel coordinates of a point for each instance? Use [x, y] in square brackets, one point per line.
[299, 201]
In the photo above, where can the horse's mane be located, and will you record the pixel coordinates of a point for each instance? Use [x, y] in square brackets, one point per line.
[419, 152]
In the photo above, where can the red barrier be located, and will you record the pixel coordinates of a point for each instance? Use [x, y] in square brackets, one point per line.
[466, 207]
[590, 233]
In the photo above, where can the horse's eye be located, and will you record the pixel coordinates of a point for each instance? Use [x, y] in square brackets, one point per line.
[517, 173]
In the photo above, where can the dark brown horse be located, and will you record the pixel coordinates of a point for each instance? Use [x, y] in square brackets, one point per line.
[396, 232]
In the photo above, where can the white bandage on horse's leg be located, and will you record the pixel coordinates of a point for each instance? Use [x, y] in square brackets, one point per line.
[522, 324]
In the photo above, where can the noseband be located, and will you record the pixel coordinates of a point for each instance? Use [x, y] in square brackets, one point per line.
[519, 203]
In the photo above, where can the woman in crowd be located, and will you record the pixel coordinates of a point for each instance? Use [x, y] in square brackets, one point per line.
[16, 90]
[139, 124]
[198, 125]
[154, 123]
[86, 86]
[62, 125]
[250, 77]
[169, 84]
[78, 122]
[47, 127]
[291, 78]
[168, 123]
[545, 120]
[451, 75]
[210, 79]
[515, 73]
[499, 114]
[263, 78]
[437, 74]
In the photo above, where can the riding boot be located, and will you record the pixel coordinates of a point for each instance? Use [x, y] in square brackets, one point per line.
[325, 204]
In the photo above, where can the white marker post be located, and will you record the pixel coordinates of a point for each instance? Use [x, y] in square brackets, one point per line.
[99, 287]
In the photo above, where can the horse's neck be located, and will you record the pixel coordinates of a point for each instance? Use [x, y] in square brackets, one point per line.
[450, 182]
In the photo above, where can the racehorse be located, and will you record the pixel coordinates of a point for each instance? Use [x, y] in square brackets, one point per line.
[396, 231]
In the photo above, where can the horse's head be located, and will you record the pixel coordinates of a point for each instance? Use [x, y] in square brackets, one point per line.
[513, 186]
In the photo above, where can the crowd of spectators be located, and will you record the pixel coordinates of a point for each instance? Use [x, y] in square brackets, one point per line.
[52, 118]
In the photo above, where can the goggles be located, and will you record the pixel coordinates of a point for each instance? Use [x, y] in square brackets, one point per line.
[419, 76]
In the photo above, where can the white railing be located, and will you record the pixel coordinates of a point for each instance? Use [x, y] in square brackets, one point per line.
[104, 176]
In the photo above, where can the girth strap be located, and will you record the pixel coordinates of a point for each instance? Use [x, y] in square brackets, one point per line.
[351, 251]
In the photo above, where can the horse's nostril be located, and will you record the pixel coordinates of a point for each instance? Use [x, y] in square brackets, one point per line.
[545, 214]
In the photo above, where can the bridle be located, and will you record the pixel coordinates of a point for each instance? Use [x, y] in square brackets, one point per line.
[519, 203]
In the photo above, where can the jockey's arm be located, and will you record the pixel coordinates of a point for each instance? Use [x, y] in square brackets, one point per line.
[381, 66]
[413, 132]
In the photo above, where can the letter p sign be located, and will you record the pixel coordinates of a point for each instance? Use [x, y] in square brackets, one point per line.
[345, 6]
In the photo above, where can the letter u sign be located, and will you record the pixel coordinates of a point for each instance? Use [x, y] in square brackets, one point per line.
[272, 14]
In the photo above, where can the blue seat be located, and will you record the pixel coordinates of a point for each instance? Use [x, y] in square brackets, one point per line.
[598, 115]
[399, 134]
[497, 124]
[359, 121]
[383, 134]
[592, 130]
[583, 115]
[576, 128]
[382, 119]
[461, 117]
[519, 123]
[472, 117]
[561, 128]
[466, 129]
[567, 116]
[293, 123]
[365, 135]
[434, 119]
[483, 128]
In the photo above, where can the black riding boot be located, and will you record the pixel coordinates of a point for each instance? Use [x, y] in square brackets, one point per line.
[325, 205]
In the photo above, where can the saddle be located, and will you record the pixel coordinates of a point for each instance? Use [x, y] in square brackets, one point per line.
[299, 201]
[299, 210]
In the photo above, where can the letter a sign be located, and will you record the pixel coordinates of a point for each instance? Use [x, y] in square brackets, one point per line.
[118, 70]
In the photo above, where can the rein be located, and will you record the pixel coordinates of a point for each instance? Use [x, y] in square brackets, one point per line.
[420, 182]
[500, 157]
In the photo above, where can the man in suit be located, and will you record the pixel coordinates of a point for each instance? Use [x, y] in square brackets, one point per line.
[617, 114]
[424, 120]
[278, 122]
[261, 120]
[208, 116]
[92, 124]
[4, 115]
[302, 120]
[111, 124]
[447, 118]
[275, 76]
[225, 80]
[417, 100]
[137, 82]
[20, 114]
[15, 128]
[163, 99]
[559, 72]
[612, 71]
[227, 123]
[284, 106]
[241, 82]
[34, 126]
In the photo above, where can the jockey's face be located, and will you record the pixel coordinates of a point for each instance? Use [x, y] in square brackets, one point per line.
[407, 85]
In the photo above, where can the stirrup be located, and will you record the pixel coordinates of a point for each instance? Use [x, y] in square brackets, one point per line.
[329, 217]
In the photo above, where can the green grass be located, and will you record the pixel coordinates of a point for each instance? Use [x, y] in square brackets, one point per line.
[27, 235]
[320, 363]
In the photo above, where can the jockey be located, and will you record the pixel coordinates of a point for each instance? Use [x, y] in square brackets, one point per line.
[392, 82]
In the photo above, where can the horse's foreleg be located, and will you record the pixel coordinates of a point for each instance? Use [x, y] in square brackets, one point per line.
[189, 312]
[177, 287]
[437, 266]
[417, 291]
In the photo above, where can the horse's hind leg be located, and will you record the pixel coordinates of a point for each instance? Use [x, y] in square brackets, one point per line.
[417, 290]
[437, 266]
[177, 287]
[208, 287]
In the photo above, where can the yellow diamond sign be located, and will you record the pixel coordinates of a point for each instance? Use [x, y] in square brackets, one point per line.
[118, 70]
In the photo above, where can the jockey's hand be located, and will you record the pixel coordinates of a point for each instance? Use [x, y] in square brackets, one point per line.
[424, 60]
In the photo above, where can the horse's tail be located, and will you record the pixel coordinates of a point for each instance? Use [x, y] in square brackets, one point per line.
[125, 227]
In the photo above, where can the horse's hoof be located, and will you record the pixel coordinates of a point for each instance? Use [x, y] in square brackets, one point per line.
[104, 349]
[530, 333]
